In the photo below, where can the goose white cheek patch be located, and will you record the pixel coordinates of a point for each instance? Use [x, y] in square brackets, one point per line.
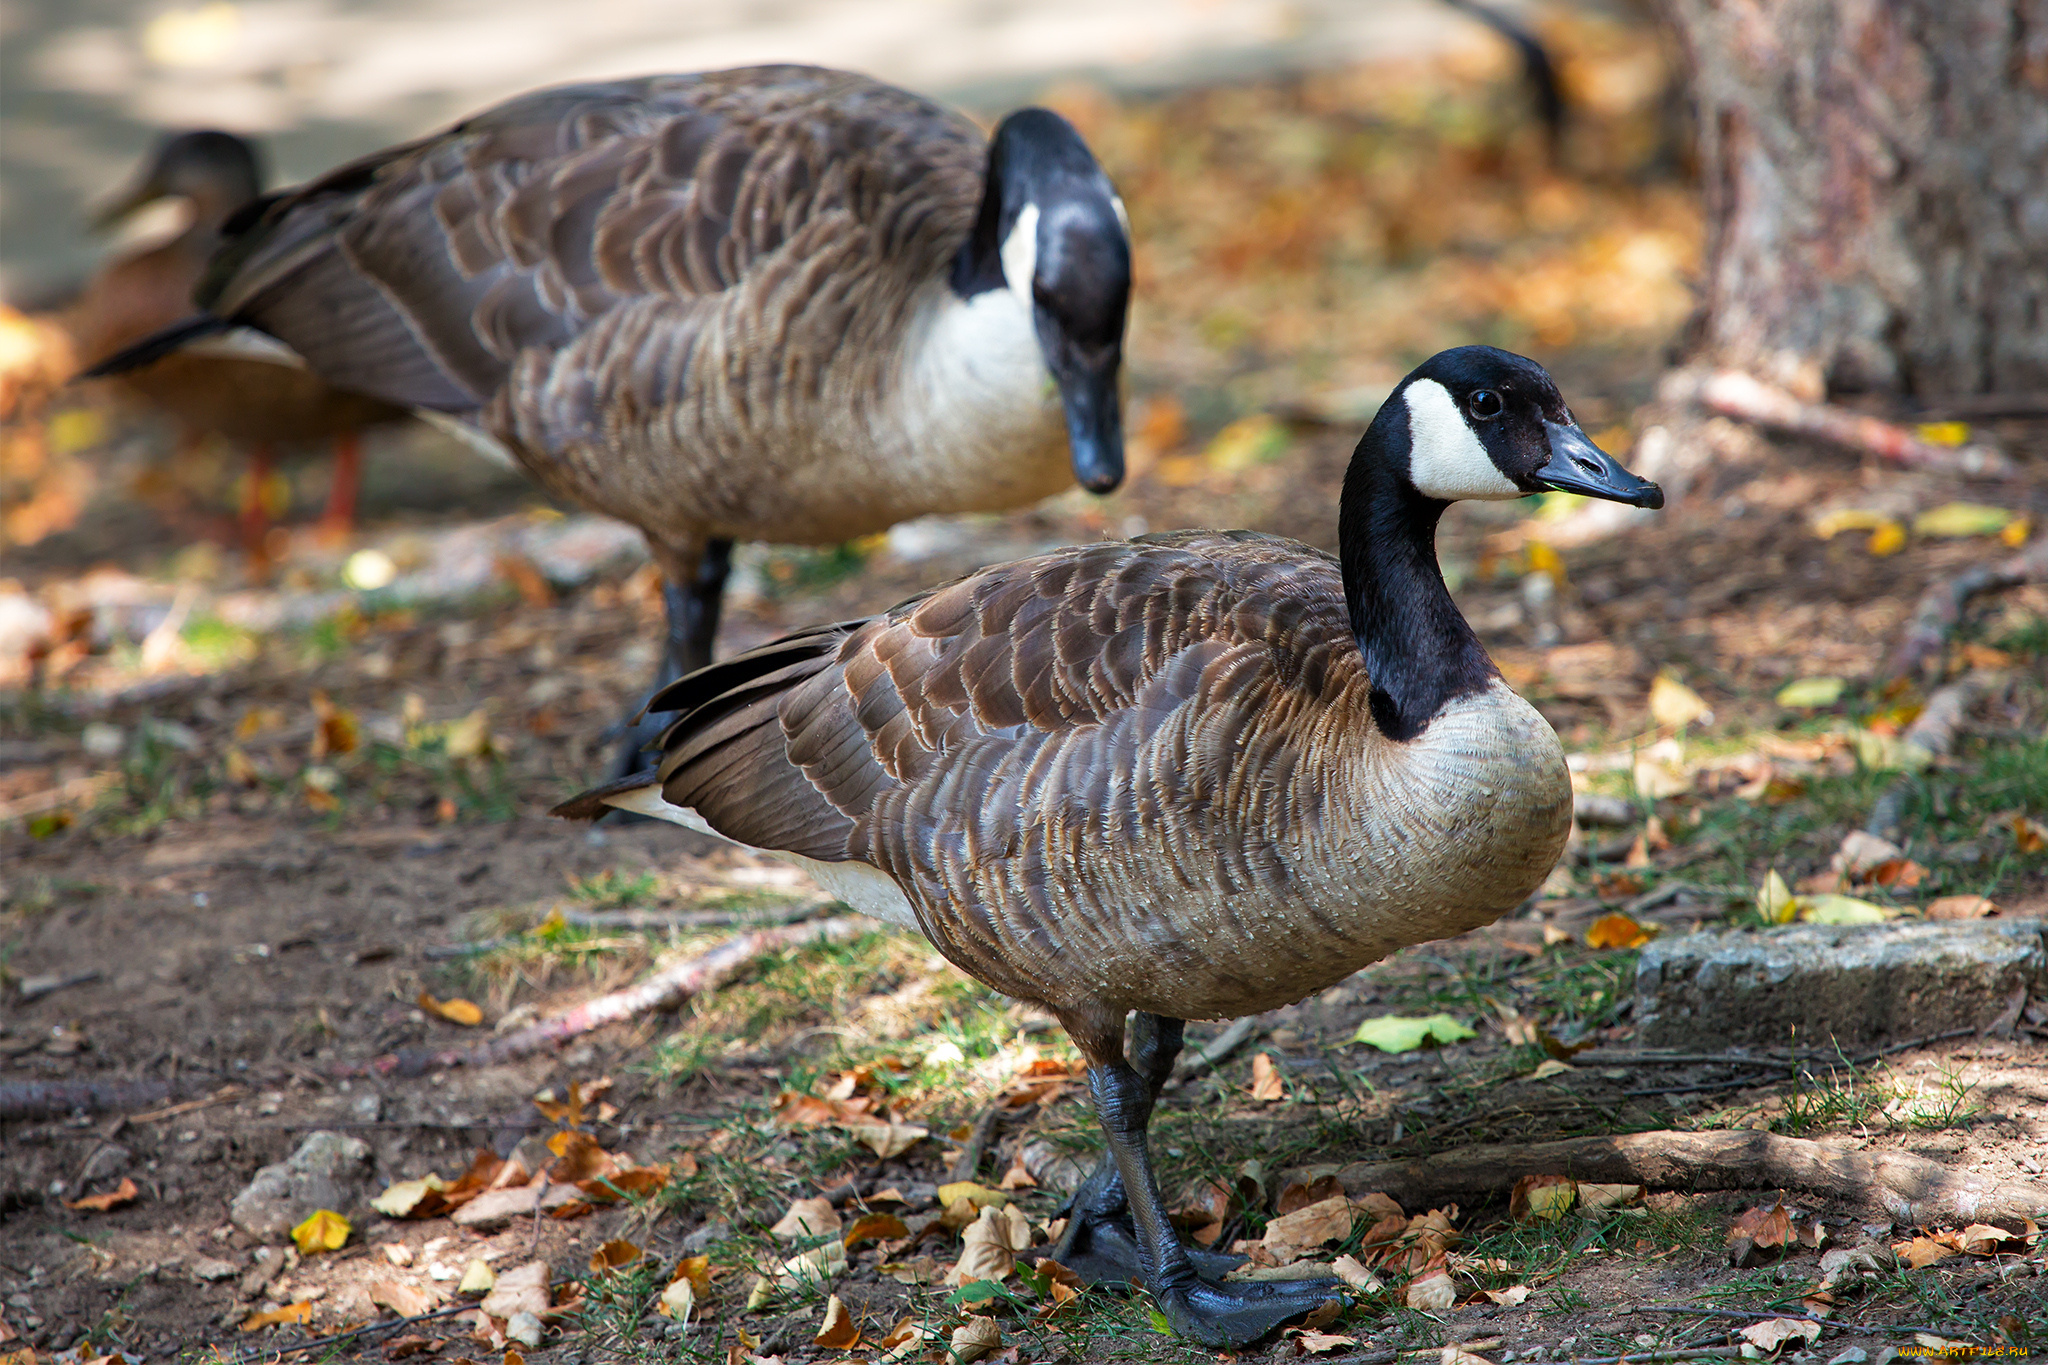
[1020, 254]
[1446, 460]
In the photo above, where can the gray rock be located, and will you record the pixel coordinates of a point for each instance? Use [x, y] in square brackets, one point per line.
[328, 1171]
[702, 1240]
[1852, 984]
[209, 1268]
[107, 1161]
[367, 1107]
[266, 1264]
[1855, 1355]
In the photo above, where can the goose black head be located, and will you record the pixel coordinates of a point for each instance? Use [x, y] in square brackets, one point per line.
[1053, 232]
[218, 172]
[1485, 423]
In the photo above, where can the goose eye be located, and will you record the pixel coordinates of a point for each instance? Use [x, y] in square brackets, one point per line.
[1484, 404]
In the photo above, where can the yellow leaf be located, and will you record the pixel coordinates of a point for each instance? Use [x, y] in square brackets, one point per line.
[1832, 909]
[1545, 560]
[456, 1011]
[301, 1312]
[469, 737]
[477, 1278]
[875, 1227]
[1832, 524]
[1548, 1067]
[1542, 1198]
[1943, 433]
[404, 1196]
[1807, 693]
[325, 1230]
[1888, 539]
[1266, 1083]
[978, 1197]
[1258, 439]
[1673, 704]
[2016, 532]
[1775, 901]
[1963, 519]
[1616, 931]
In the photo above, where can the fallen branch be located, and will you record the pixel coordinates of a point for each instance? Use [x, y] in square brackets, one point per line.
[1218, 1049]
[1932, 733]
[1910, 1189]
[663, 991]
[1941, 607]
[1732, 393]
[651, 920]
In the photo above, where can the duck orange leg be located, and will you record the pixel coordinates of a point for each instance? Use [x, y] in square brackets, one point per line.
[339, 520]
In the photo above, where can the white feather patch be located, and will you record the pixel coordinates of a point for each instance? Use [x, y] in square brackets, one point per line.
[1445, 459]
[865, 888]
[1020, 254]
[246, 343]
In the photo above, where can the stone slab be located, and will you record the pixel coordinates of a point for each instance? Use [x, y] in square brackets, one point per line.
[1853, 985]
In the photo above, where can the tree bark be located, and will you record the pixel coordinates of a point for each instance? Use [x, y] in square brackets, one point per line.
[1876, 184]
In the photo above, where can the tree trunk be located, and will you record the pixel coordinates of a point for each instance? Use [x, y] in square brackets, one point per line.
[1876, 181]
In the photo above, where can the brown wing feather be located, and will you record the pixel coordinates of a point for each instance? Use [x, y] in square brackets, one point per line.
[425, 273]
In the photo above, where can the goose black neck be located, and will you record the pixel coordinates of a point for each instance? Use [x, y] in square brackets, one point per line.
[1419, 651]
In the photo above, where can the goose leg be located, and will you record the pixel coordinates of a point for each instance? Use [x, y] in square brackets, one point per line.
[1215, 1314]
[692, 609]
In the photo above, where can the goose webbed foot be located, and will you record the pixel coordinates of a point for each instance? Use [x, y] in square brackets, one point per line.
[1146, 1247]
[692, 612]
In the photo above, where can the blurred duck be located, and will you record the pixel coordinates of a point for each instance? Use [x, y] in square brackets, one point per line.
[1196, 775]
[777, 303]
[257, 403]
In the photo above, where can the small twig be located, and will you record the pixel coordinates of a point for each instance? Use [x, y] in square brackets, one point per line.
[49, 983]
[1218, 1048]
[1731, 393]
[220, 1096]
[664, 990]
[273, 1352]
[969, 1160]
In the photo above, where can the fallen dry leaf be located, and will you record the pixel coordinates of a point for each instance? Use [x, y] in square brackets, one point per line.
[814, 1267]
[461, 1012]
[612, 1255]
[406, 1300]
[1616, 931]
[1017, 1177]
[1512, 1297]
[1354, 1274]
[1775, 1332]
[1982, 1239]
[874, 1227]
[839, 1331]
[477, 1277]
[523, 1289]
[1961, 907]
[807, 1218]
[678, 1300]
[916, 1270]
[1458, 1355]
[1327, 1220]
[400, 1199]
[301, 1312]
[1432, 1293]
[976, 1338]
[1592, 1197]
[1266, 1083]
[989, 1246]
[1758, 1234]
[1542, 1198]
[2031, 835]
[1314, 1342]
[323, 1230]
[1673, 704]
[100, 1203]
[1299, 1194]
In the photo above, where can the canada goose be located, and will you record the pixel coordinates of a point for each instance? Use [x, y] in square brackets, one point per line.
[776, 303]
[255, 403]
[1194, 775]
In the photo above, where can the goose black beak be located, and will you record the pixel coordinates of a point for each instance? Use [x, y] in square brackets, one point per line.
[1578, 466]
[1095, 424]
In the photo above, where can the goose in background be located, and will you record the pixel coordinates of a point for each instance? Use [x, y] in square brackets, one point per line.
[777, 303]
[1194, 775]
[255, 403]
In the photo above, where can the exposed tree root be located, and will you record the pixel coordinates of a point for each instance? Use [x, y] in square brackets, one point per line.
[1933, 733]
[1941, 606]
[1911, 1190]
[1745, 398]
[664, 990]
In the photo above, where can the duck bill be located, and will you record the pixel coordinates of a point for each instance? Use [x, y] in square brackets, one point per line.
[1578, 466]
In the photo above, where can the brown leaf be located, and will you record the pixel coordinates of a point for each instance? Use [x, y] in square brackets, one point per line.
[458, 1011]
[1775, 1332]
[523, 1289]
[1758, 1234]
[1297, 1195]
[406, 1300]
[1961, 907]
[916, 1270]
[839, 1332]
[977, 1337]
[579, 1158]
[335, 731]
[1018, 1177]
[875, 1227]
[2031, 835]
[807, 1218]
[1314, 1343]
[1982, 1239]
[1432, 1293]
[1511, 1297]
[411, 1344]
[100, 1203]
[612, 1255]
[1267, 1086]
[1327, 1220]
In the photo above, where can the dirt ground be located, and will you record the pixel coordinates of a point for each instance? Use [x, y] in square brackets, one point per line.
[250, 851]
